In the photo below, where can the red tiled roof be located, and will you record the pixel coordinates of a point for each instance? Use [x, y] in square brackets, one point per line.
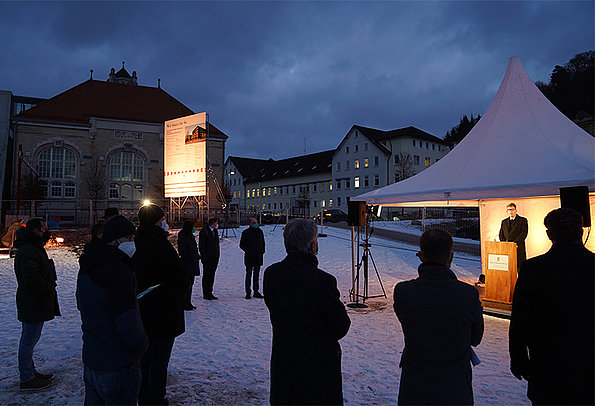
[100, 99]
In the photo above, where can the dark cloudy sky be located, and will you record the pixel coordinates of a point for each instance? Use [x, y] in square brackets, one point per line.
[273, 74]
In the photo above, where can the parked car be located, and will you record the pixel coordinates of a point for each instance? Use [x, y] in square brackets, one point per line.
[331, 215]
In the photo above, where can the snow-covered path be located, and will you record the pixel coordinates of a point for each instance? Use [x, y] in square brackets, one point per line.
[223, 357]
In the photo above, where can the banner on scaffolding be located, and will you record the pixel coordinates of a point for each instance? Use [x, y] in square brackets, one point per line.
[185, 156]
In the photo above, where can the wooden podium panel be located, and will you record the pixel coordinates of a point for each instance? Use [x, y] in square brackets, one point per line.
[500, 270]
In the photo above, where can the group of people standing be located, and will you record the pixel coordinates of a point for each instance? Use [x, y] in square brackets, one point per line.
[133, 288]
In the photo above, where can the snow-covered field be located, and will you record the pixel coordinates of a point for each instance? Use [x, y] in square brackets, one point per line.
[406, 226]
[223, 358]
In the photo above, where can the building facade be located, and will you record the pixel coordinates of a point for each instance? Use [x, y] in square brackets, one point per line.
[100, 144]
[367, 159]
[298, 186]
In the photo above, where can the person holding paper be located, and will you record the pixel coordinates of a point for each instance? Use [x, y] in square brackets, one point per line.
[441, 319]
[113, 335]
[156, 263]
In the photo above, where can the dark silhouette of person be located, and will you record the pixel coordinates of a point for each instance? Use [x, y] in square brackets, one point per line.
[515, 228]
[158, 267]
[113, 335]
[37, 300]
[188, 250]
[551, 337]
[441, 319]
[208, 246]
[253, 245]
[308, 320]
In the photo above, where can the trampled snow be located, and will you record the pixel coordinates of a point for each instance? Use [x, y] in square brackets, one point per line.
[223, 357]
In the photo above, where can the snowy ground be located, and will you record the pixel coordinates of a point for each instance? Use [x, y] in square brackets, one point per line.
[223, 357]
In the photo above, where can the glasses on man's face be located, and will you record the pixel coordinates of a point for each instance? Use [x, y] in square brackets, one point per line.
[510, 209]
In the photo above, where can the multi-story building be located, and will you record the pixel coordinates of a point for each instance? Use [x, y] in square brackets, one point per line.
[367, 159]
[298, 186]
[101, 143]
[10, 105]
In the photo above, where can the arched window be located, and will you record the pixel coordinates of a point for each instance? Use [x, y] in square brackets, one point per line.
[56, 166]
[126, 174]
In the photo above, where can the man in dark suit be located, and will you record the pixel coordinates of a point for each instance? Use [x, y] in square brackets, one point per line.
[551, 327]
[441, 319]
[208, 246]
[515, 229]
[252, 243]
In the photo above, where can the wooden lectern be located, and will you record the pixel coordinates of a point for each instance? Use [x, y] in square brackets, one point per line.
[500, 270]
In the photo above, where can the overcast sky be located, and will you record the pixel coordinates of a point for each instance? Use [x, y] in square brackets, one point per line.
[278, 76]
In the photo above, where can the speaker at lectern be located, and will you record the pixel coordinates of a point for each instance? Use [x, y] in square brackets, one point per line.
[500, 270]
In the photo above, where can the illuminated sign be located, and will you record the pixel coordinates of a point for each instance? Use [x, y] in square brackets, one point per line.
[185, 159]
[498, 262]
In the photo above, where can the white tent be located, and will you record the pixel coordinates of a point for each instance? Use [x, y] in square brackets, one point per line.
[522, 149]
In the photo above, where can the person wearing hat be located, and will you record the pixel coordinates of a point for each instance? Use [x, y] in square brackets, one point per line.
[158, 266]
[113, 335]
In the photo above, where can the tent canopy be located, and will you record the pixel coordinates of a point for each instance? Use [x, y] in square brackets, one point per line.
[521, 147]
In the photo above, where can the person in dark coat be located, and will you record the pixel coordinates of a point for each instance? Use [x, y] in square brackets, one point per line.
[253, 245]
[308, 320]
[96, 232]
[551, 336]
[188, 250]
[161, 277]
[515, 228]
[37, 300]
[208, 246]
[441, 319]
[113, 335]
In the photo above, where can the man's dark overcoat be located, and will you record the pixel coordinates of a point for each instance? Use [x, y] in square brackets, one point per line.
[441, 319]
[515, 231]
[157, 262]
[208, 244]
[253, 245]
[188, 250]
[552, 325]
[37, 299]
[308, 320]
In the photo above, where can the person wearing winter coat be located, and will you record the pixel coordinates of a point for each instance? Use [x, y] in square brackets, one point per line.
[160, 275]
[188, 250]
[253, 245]
[113, 335]
[36, 298]
[208, 246]
[308, 320]
[441, 319]
[551, 335]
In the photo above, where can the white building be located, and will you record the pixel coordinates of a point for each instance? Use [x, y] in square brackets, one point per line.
[299, 186]
[368, 158]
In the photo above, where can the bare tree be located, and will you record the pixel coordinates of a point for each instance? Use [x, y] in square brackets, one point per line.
[404, 166]
[95, 183]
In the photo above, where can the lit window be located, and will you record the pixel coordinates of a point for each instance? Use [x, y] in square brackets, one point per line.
[239, 194]
[330, 185]
[428, 161]
[366, 162]
[356, 164]
[356, 182]
[323, 203]
[234, 194]
[55, 165]
[330, 203]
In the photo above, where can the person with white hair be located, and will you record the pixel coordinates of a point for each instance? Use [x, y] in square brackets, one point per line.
[308, 320]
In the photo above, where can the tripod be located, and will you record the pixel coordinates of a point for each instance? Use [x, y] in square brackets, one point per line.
[354, 293]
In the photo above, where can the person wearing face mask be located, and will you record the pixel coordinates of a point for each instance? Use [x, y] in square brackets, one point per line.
[252, 243]
[156, 263]
[208, 245]
[37, 300]
[188, 250]
[113, 335]
[308, 320]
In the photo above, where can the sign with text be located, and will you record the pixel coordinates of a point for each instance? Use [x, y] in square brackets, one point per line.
[498, 262]
[185, 161]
